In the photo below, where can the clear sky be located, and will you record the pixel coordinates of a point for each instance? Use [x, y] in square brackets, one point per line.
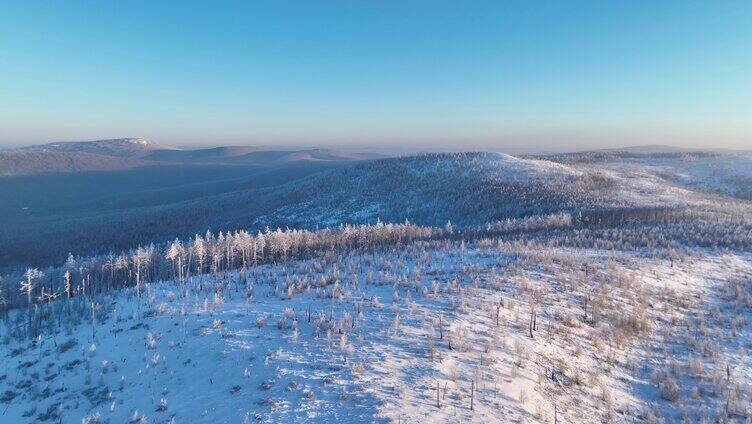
[429, 74]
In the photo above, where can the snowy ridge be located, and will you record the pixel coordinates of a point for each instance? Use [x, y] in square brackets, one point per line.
[120, 147]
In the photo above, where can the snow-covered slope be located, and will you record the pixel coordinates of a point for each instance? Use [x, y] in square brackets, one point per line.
[689, 175]
[454, 332]
[725, 174]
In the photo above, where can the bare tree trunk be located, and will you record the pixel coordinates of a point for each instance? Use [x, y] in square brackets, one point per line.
[441, 329]
[530, 325]
[438, 401]
[472, 395]
[556, 415]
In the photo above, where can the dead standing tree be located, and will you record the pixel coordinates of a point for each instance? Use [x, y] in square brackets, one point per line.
[536, 297]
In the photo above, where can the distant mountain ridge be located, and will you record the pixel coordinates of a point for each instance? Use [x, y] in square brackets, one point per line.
[129, 153]
[651, 148]
[120, 147]
[250, 155]
[198, 155]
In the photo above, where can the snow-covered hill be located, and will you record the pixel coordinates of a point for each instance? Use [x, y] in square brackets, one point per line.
[431, 189]
[466, 188]
[473, 188]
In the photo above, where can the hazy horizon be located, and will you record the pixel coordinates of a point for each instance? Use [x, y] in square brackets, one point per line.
[513, 77]
[515, 146]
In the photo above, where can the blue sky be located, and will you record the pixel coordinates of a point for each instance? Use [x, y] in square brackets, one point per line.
[424, 74]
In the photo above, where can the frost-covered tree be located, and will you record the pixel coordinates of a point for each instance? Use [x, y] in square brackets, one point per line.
[175, 254]
[244, 244]
[199, 251]
[140, 260]
[260, 245]
[27, 285]
[3, 302]
[67, 284]
[71, 263]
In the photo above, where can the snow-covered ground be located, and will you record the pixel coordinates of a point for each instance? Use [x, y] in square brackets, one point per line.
[723, 174]
[429, 332]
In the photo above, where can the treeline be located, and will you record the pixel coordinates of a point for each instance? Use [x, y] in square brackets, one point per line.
[200, 255]
[210, 254]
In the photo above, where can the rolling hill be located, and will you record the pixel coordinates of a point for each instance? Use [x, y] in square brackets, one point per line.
[316, 189]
